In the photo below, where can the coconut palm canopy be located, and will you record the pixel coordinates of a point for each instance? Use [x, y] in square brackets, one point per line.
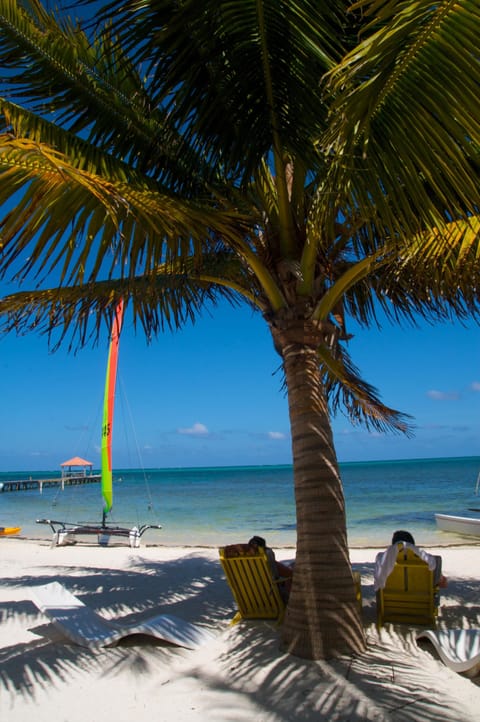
[316, 160]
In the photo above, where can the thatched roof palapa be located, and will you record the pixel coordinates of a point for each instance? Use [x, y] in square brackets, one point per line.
[77, 461]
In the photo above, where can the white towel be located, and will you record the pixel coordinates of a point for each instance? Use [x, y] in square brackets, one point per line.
[385, 561]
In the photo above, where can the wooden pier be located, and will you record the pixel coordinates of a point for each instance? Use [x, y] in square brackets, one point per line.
[41, 484]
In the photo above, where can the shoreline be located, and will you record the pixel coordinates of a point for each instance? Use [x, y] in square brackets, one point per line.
[465, 542]
[244, 668]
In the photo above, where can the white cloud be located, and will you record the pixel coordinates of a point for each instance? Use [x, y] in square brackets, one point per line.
[276, 435]
[476, 386]
[195, 430]
[442, 395]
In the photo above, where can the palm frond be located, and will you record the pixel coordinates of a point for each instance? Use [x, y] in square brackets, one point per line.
[435, 276]
[358, 400]
[87, 85]
[234, 73]
[84, 224]
[166, 299]
[409, 92]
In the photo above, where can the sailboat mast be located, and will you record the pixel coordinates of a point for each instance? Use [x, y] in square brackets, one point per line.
[108, 405]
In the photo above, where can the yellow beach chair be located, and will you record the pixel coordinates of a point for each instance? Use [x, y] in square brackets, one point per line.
[357, 580]
[254, 589]
[409, 595]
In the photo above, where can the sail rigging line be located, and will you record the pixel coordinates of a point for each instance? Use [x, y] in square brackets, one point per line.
[139, 461]
[58, 491]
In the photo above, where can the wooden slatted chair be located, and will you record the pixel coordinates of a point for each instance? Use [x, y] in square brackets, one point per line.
[409, 595]
[251, 581]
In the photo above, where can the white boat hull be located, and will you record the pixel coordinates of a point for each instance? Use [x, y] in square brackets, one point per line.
[466, 525]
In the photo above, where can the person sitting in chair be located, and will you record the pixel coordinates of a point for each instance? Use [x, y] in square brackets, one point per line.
[385, 561]
[279, 571]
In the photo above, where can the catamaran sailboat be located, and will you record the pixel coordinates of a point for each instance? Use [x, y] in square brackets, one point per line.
[66, 532]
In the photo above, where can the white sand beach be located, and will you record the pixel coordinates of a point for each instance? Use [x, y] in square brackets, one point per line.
[241, 675]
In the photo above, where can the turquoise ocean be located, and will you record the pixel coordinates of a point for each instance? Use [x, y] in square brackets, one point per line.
[213, 506]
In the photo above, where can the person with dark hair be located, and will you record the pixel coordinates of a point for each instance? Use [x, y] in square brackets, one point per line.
[283, 572]
[385, 561]
[279, 570]
[402, 536]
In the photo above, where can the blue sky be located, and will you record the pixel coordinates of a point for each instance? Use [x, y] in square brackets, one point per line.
[211, 395]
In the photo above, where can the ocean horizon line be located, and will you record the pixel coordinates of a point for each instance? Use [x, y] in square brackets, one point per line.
[246, 467]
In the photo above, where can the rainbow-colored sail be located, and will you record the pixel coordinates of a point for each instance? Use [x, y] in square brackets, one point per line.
[108, 404]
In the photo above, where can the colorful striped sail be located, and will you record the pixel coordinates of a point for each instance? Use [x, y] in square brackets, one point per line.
[108, 405]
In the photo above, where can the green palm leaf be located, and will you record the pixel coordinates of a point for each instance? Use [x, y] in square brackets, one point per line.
[88, 224]
[360, 402]
[389, 100]
[239, 69]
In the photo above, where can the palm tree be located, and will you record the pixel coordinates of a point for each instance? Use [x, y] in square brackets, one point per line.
[315, 160]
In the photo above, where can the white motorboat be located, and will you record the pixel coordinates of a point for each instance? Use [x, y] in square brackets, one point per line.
[466, 525]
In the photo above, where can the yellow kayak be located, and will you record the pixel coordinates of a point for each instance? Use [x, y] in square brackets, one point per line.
[6, 530]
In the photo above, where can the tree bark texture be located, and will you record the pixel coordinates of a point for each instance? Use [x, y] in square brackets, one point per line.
[323, 619]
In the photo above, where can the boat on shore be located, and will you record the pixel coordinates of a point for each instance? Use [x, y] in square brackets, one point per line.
[67, 532]
[465, 525]
[459, 524]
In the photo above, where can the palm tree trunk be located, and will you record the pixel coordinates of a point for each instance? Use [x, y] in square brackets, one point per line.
[323, 619]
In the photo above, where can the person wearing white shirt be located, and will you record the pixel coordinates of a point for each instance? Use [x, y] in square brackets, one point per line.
[385, 561]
